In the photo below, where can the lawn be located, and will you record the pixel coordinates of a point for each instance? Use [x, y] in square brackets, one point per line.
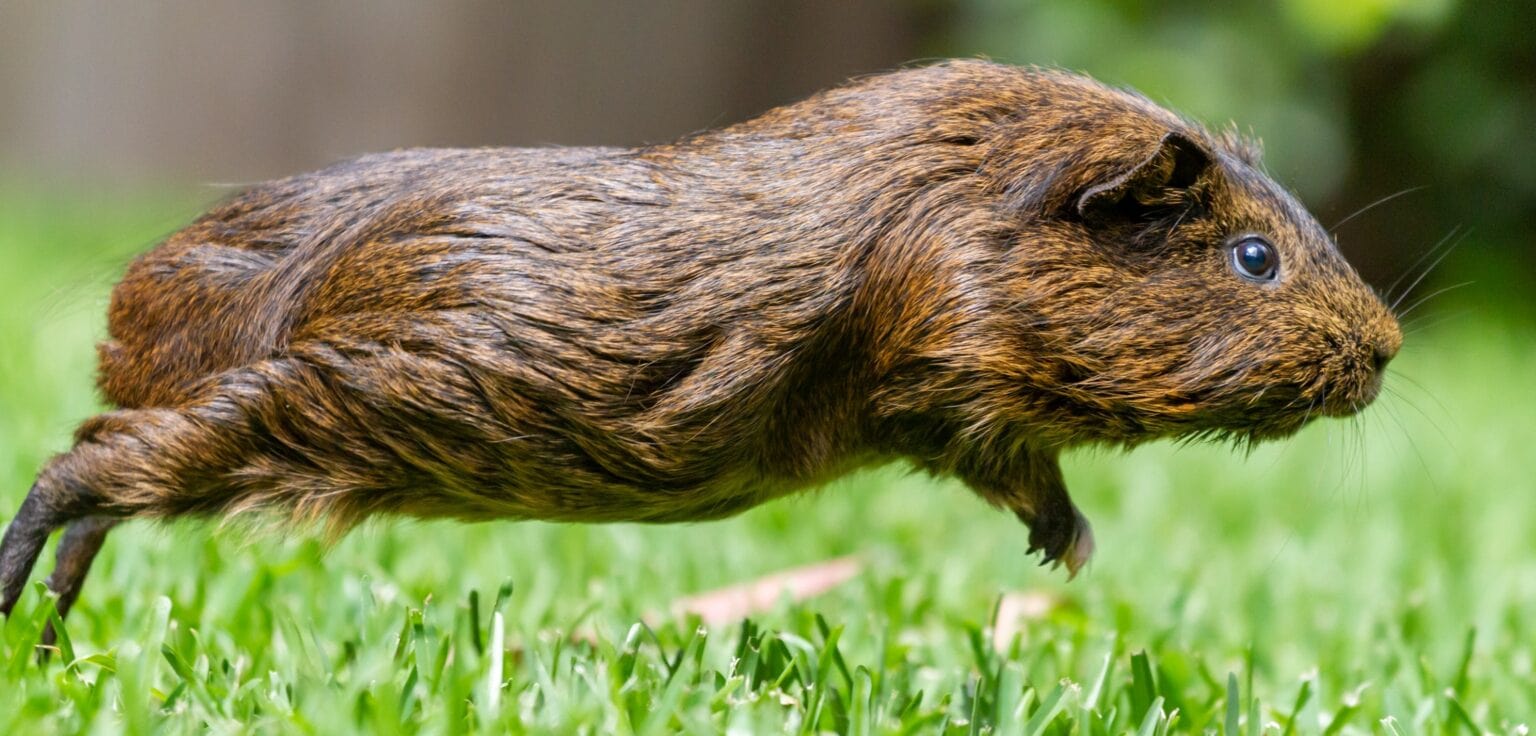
[1368, 576]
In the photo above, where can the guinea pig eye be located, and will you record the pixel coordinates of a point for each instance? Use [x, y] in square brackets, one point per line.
[1255, 259]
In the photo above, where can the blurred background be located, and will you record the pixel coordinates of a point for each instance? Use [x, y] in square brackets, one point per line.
[1354, 101]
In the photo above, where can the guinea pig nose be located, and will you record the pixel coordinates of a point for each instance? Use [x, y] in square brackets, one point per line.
[1382, 353]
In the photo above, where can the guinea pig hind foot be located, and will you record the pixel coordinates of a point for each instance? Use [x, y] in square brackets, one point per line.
[47, 507]
[77, 549]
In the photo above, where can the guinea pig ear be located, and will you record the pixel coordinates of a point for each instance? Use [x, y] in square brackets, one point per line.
[1157, 182]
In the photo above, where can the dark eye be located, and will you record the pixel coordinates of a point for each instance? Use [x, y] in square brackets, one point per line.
[1255, 259]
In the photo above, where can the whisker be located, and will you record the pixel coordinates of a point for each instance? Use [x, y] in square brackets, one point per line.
[1365, 449]
[1357, 429]
[1432, 266]
[1419, 455]
[1374, 205]
[1345, 446]
[1432, 423]
[1430, 253]
[1424, 325]
[1381, 431]
[1439, 404]
[1404, 314]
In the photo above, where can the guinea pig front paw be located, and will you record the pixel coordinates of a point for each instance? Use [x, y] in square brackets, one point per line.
[1064, 537]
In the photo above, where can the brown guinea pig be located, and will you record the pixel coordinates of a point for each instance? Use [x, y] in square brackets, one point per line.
[968, 267]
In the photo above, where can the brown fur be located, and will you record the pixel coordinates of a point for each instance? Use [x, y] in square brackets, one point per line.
[968, 266]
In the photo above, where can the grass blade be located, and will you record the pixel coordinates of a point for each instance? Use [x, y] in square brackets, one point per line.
[1234, 705]
[1150, 721]
[1050, 708]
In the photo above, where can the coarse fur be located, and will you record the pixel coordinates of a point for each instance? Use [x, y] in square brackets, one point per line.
[967, 266]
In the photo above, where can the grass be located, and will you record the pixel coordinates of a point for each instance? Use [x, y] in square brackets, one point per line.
[1374, 576]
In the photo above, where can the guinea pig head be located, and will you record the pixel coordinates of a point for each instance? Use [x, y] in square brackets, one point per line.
[1182, 292]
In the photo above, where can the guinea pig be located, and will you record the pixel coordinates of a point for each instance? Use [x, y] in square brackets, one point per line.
[969, 267]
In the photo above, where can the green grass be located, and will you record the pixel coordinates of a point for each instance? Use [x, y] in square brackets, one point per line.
[1375, 576]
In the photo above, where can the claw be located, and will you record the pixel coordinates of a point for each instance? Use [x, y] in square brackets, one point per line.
[1064, 540]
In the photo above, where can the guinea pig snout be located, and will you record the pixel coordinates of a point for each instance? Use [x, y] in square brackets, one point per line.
[1382, 353]
[1384, 339]
[1358, 367]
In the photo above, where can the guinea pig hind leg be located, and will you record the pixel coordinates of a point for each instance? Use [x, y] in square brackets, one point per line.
[320, 435]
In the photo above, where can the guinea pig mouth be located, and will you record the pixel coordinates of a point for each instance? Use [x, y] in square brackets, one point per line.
[1351, 393]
